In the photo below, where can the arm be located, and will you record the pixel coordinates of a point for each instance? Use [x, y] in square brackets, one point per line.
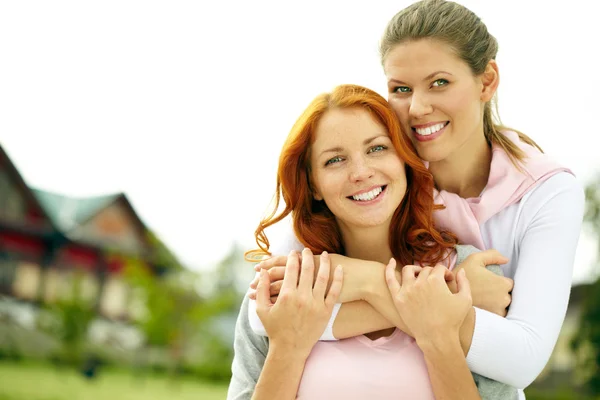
[367, 305]
[435, 315]
[294, 322]
[250, 351]
[281, 375]
[515, 349]
[448, 371]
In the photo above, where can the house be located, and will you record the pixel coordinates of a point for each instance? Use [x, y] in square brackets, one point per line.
[46, 239]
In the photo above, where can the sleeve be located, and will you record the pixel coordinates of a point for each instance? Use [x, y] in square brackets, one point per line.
[515, 349]
[250, 352]
[488, 388]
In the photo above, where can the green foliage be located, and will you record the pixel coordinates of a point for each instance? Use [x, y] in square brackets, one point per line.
[177, 318]
[68, 320]
[586, 342]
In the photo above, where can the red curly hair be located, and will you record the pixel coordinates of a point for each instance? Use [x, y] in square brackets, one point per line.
[413, 236]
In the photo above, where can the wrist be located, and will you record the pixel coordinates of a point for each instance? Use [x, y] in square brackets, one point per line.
[440, 346]
[374, 285]
[466, 331]
[290, 352]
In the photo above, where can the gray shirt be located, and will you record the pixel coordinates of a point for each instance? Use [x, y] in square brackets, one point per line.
[250, 351]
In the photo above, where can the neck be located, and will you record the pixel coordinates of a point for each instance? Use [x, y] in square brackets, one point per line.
[370, 243]
[466, 171]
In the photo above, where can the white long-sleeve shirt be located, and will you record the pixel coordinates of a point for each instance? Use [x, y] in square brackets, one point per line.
[539, 235]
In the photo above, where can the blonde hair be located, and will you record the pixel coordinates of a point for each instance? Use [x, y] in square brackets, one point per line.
[464, 32]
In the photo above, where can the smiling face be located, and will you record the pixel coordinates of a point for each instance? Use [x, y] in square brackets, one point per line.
[438, 100]
[355, 169]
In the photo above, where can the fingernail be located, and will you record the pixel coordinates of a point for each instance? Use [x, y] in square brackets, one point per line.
[339, 271]
[325, 254]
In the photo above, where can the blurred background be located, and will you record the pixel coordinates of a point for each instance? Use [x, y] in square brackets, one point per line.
[138, 151]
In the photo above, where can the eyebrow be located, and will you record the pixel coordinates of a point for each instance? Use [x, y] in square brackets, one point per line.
[425, 79]
[365, 142]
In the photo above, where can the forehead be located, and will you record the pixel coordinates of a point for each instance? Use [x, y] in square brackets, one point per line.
[346, 125]
[417, 59]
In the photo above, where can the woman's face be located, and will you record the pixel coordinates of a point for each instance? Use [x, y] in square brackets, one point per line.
[438, 100]
[355, 169]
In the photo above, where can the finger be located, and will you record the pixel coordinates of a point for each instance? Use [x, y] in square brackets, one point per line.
[290, 280]
[252, 294]
[276, 273]
[510, 283]
[278, 261]
[443, 271]
[409, 274]
[263, 298]
[464, 287]
[390, 277]
[307, 271]
[322, 277]
[275, 288]
[254, 282]
[424, 273]
[492, 256]
[336, 288]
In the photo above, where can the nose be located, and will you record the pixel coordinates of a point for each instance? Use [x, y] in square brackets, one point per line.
[360, 170]
[419, 106]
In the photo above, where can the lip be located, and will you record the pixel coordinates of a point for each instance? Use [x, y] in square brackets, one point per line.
[428, 138]
[370, 202]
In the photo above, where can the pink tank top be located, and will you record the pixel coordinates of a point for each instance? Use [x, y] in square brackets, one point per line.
[359, 368]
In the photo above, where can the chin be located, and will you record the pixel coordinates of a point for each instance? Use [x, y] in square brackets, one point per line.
[432, 155]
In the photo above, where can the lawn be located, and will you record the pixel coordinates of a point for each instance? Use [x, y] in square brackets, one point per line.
[24, 381]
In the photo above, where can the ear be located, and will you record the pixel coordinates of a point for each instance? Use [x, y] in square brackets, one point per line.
[313, 188]
[490, 80]
[317, 196]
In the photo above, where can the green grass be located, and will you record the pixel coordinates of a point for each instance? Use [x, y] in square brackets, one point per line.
[20, 381]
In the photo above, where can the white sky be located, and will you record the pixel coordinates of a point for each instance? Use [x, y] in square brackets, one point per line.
[184, 105]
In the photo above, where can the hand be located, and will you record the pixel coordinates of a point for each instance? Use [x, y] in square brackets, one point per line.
[425, 303]
[275, 267]
[299, 317]
[489, 291]
[361, 277]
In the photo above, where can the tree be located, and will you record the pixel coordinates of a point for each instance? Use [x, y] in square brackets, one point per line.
[586, 342]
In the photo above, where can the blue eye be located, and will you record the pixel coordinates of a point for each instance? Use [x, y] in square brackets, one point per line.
[333, 160]
[440, 82]
[402, 89]
[379, 148]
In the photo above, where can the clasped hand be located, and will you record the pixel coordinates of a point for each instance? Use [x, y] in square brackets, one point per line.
[296, 321]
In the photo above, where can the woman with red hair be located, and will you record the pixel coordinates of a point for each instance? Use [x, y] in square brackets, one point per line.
[353, 185]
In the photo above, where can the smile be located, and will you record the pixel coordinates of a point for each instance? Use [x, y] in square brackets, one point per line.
[429, 133]
[430, 129]
[370, 195]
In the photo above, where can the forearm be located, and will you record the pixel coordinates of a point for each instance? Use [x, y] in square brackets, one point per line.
[280, 376]
[357, 318]
[449, 374]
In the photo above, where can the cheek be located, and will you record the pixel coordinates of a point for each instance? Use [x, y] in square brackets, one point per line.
[327, 185]
[463, 104]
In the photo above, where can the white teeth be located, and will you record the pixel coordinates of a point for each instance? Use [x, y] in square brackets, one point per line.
[429, 130]
[369, 195]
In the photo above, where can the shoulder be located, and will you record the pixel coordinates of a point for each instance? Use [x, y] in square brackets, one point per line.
[282, 238]
[463, 251]
[561, 190]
